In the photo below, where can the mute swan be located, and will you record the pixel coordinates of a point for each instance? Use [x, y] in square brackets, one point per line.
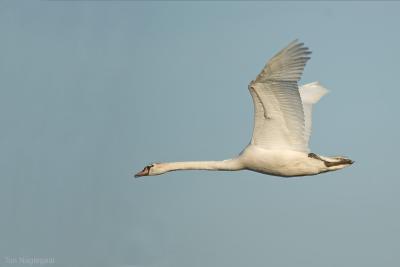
[282, 125]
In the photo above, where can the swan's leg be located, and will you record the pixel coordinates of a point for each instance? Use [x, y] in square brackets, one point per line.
[315, 156]
[340, 160]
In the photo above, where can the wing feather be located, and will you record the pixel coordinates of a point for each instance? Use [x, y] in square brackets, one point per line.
[310, 94]
[286, 65]
[278, 110]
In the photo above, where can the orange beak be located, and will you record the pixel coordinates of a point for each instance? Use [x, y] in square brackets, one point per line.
[144, 172]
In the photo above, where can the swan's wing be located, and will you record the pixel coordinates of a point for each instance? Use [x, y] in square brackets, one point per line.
[310, 94]
[278, 110]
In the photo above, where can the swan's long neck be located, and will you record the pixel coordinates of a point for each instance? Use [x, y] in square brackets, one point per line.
[223, 165]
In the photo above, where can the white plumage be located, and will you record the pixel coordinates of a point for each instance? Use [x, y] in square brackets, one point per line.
[310, 94]
[282, 124]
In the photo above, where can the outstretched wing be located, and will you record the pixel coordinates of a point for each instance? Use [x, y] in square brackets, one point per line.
[278, 110]
[310, 94]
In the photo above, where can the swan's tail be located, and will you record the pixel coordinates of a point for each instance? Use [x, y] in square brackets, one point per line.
[311, 93]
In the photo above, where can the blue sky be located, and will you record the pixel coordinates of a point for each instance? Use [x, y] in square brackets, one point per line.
[92, 91]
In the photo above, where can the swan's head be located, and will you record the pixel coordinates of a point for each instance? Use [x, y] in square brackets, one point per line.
[151, 169]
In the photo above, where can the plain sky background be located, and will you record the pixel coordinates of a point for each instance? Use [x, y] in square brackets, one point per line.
[92, 91]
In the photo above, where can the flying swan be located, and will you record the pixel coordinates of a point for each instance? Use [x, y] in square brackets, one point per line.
[282, 125]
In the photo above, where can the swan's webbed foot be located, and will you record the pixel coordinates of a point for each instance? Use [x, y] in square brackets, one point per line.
[339, 160]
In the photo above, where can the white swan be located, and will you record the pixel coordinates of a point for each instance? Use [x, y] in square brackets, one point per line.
[282, 125]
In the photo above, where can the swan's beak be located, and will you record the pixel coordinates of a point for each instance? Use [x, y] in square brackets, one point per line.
[144, 172]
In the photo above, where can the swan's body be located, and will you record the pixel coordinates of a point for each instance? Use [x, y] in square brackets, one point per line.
[282, 125]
